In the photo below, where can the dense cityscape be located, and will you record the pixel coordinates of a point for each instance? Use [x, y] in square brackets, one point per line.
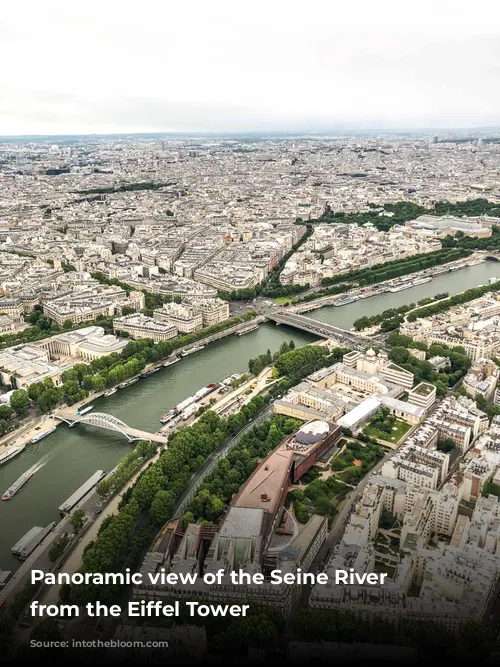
[336, 436]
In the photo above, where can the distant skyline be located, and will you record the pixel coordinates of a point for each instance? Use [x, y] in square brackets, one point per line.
[223, 67]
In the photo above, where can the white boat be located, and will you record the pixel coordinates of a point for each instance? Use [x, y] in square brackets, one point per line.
[43, 435]
[399, 288]
[173, 361]
[346, 300]
[189, 412]
[168, 416]
[84, 410]
[245, 331]
[185, 403]
[10, 453]
[110, 392]
[192, 350]
[421, 281]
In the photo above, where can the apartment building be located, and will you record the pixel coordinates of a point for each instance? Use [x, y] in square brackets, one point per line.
[186, 319]
[212, 311]
[140, 326]
[419, 466]
[12, 307]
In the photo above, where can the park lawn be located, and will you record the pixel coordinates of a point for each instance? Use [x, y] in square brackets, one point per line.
[282, 300]
[400, 429]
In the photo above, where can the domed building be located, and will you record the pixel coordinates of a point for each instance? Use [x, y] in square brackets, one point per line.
[309, 443]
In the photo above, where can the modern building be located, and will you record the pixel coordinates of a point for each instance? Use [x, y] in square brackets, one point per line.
[257, 533]
[359, 416]
[423, 395]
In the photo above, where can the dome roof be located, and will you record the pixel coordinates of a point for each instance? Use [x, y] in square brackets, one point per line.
[312, 432]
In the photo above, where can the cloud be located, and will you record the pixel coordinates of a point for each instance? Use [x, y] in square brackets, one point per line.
[225, 66]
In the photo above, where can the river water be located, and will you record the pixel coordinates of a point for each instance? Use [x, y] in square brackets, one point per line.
[73, 455]
[454, 282]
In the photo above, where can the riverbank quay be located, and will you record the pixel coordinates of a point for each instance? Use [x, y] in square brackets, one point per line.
[23, 436]
[93, 503]
[450, 282]
[380, 288]
[72, 558]
[29, 430]
[74, 454]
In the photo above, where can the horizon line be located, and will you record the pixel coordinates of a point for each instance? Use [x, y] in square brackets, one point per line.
[343, 131]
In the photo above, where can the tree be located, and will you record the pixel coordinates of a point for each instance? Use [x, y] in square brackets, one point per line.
[103, 488]
[58, 547]
[386, 520]
[20, 401]
[399, 354]
[48, 400]
[323, 506]
[161, 507]
[446, 445]
[98, 382]
[6, 412]
[77, 520]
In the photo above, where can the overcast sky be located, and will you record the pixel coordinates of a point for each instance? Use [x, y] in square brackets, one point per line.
[214, 65]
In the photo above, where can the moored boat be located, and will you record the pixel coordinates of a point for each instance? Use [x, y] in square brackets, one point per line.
[192, 350]
[248, 330]
[133, 380]
[10, 453]
[168, 416]
[84, 411]
[43, 435]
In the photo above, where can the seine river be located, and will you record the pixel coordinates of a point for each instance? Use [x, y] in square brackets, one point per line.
[73, 455]
[454, 282]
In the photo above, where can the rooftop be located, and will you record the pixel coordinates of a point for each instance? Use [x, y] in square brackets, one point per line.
[263, 489]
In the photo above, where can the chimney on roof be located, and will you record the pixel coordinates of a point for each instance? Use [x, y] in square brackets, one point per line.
[264, 498]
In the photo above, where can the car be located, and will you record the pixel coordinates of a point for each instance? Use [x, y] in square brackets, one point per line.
[97, 512]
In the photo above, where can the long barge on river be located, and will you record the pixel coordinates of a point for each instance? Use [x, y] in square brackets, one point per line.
[21, 481]
[29, 542]
[76, 497]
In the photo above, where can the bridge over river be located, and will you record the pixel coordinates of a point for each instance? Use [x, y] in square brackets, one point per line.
[348, 338]
[109, 423]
